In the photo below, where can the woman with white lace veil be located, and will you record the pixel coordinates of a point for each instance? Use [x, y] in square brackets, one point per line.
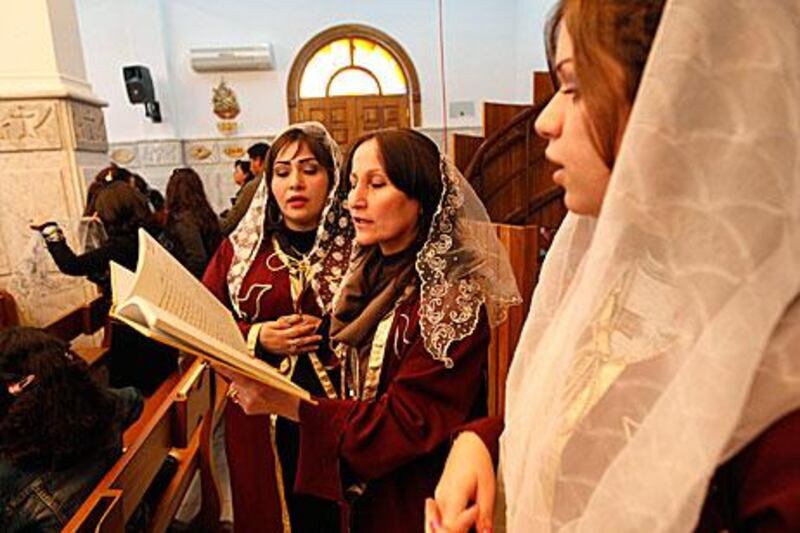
[410, 327]
[656, 385]
[278, 275]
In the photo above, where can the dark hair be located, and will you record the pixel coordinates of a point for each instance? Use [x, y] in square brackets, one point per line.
[122, 209]
[258, 151]
[156, 199]
[412, 163]
[139, 183]
[112, 173]
[186, 197]
[62, 415]
[316, 143]
[611, 41]
[245, 166]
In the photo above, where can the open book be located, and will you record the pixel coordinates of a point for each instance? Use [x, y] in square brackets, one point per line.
[163, 301]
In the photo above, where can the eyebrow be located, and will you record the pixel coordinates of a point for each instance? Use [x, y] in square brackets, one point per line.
[370, 172]
[301, 161]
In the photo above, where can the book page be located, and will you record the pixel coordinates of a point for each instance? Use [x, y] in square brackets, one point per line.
[163, 281]
[166, 303]
[122, 282]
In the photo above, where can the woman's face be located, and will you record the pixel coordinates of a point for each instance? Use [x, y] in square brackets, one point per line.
[300, 186]
[382, 214]
[239, 176]
[565, 124]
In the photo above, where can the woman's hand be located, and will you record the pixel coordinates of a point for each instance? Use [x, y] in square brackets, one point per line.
[290, 335]
[50, 231]
[255, 398]
[468, 477]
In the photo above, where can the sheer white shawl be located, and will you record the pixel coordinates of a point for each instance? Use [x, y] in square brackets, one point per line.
[665, 334]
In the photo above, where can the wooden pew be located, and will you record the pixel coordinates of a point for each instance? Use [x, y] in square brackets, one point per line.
[523, 244]
[177, 421]
[8, 310]
[86, 319]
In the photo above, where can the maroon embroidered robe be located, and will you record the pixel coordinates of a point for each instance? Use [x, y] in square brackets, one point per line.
[383, 457]
[262, 485]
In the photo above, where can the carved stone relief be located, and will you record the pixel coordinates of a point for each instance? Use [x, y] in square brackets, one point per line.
[160, 154]
[33, 193]
[29, 125]
[89, 127]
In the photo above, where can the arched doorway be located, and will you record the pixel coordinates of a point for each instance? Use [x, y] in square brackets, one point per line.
[354, 79]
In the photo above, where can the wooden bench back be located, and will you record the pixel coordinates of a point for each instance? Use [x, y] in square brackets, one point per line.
[523, 244]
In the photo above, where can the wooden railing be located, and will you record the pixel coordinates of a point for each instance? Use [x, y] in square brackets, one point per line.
[509, 170]
[177, 421]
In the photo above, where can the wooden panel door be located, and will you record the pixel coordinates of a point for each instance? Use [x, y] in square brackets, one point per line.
[337, 114]
[349, 117]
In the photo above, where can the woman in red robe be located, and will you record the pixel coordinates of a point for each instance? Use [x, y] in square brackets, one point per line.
[655, 384]
[410, 327]
[279, 284]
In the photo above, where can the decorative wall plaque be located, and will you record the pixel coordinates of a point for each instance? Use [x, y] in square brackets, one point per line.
[226, 107]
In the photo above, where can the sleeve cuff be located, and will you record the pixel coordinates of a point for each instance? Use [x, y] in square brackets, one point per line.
[321, 430]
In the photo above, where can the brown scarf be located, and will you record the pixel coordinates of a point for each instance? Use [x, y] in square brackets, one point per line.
[369, 293]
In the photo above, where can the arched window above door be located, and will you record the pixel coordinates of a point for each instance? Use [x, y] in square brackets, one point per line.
[354, 79]
[351, 67]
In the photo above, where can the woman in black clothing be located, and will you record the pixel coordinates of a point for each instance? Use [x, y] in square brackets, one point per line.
[191, 223]
[135, 360]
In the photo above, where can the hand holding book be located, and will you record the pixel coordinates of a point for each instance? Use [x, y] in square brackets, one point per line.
[164, 301]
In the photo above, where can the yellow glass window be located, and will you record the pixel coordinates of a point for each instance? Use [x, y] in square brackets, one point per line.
[352, 82]
[323, 65]
[380, 62]
[327, 73]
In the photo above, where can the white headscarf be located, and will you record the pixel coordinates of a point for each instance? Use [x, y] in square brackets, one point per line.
[665, 335]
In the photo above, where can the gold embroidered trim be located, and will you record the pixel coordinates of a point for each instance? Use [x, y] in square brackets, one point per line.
[298, 269]
[287, 523]
[376, 354]
[322, 375]
[252, 338]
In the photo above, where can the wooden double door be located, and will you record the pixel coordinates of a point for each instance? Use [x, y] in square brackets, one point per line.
[349, 117]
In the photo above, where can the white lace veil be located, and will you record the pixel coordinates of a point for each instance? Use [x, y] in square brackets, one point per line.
[665, 334]
[462, 266]
[329, 257]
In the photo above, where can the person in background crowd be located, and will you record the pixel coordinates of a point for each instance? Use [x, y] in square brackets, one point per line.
[191, 223]
[134, 359]
[258, 155]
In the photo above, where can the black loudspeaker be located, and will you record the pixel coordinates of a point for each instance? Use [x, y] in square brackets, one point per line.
[139, 84]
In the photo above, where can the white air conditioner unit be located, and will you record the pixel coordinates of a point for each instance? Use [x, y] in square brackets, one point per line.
[259, 57]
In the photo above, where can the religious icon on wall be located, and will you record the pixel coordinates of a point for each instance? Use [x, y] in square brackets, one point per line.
[226, 107]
